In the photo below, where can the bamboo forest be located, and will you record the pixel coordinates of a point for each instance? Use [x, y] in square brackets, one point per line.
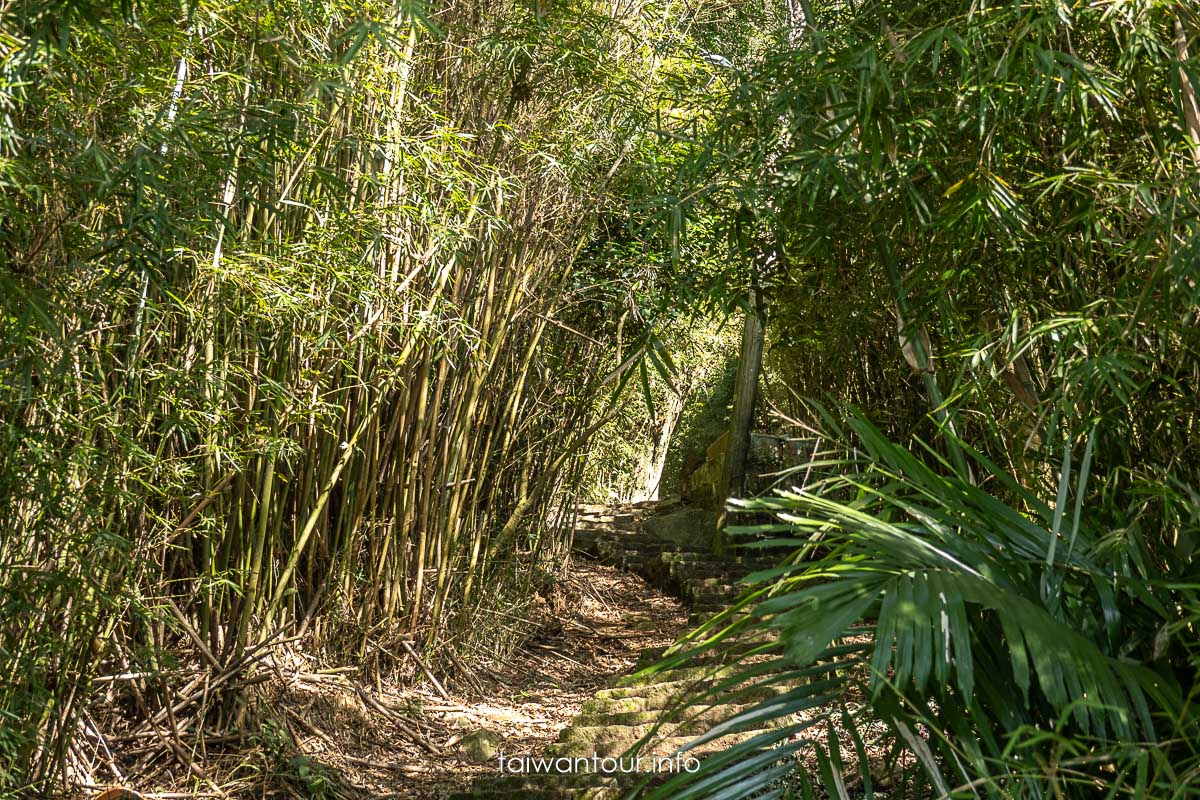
[600, 399]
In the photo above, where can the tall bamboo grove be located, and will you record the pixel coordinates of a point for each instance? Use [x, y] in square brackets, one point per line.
[287, 294]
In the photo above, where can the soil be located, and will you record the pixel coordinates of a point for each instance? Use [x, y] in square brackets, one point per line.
[608, 619]
[344, 742]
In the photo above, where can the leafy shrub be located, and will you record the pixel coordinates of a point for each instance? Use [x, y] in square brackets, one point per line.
[1011, 646]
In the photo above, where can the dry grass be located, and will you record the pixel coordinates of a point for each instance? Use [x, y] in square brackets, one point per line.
[322, 729]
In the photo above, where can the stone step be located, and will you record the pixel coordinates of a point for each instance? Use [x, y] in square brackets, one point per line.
[611, 517]
[687, 675]
[763, 549]
[587, 537]
[665, 747]
[656, 698]
[712, 583]
[578, 785]
[643, 555]
[648, 549]
[710, 715]
[738, 646]
[682, 572]
[691, 721]
[699, 593]
[701, 560]
[651, 707]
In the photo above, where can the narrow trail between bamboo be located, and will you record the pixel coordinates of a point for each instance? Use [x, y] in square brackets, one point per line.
[634, 727]
[569, 692]
[598, 623]
[625, 597]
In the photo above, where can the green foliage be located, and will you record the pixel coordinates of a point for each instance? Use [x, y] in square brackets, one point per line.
[1010, 188]
[676, 405]
[1040, 658]
[304, 774]
[1019, 164]
[301, 342]
[702, 423]
[317, 338]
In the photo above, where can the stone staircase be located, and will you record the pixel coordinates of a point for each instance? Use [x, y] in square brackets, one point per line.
[648, 710]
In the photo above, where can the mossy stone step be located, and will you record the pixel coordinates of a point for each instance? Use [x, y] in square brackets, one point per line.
[681, 575]
[596, 734]
[612, 516]
[650, 707]
[665, 683]
[710, 715]
[686, 722]
[688, 676]
[706, 597]
[592, 538]
[640, 559]
[630, 734]
[662, 748]
[713, 584]
[742, 644]
[647, 550]
[678, 579]
[657, 699]
[697, 562]
[644, 700]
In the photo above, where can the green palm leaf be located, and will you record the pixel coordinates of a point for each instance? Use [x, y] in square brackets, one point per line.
[980, 629]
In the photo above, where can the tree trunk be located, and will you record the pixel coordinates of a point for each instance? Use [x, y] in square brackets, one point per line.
[733, 470]
[658, 455]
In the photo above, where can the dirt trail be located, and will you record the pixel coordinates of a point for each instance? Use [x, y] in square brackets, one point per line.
[640, 710]
[627, 595]
[603, 620]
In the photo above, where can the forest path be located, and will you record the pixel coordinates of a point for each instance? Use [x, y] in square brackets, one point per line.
[586, 761]
[338, 736]
[640, 578]
[581, 632]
